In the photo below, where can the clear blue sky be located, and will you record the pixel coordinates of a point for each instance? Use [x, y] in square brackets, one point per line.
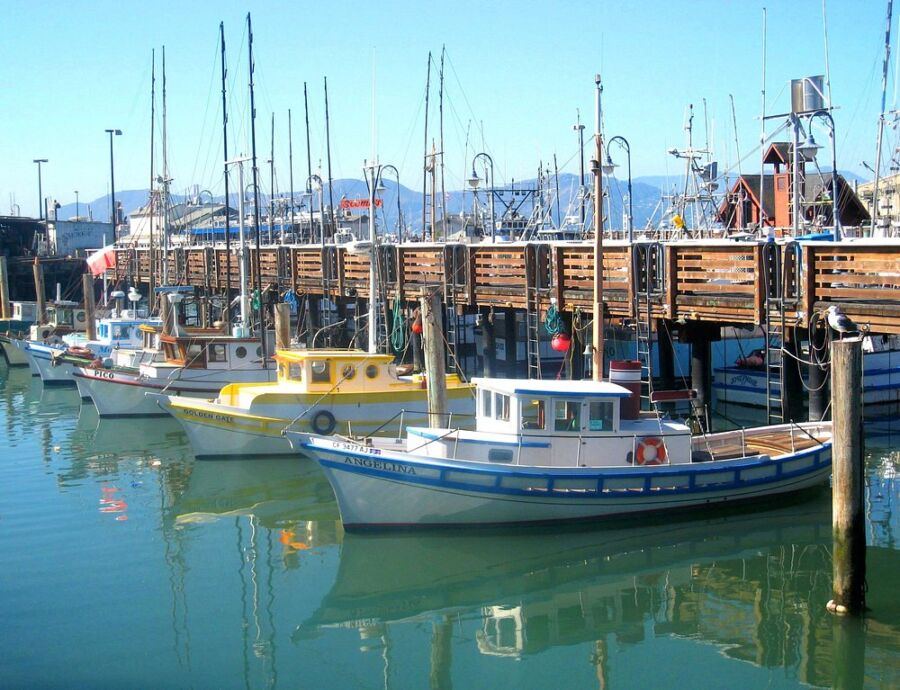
[515, 74]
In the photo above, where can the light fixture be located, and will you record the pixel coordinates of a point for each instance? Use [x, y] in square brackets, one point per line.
[608, 167]
[474, 181]
[809, 148]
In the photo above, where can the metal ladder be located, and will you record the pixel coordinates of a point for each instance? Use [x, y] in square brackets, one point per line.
[451, 318]
[646, 275]
[775, 303]
[533, 294]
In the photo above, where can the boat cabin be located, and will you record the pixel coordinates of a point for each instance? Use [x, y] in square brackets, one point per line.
[326, 370]
[199, 351]
[24, 311]
[61, 317]
[560, 424]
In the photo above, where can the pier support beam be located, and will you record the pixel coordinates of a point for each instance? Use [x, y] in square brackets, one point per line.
[818, 376]
[282, 326]
[700, 336]
[514, 369]
[665, 350]
[39, 293]
[848, 521]
[792, 383]
[435, 360]
[488, 344]
[576, 353]
[4, 289]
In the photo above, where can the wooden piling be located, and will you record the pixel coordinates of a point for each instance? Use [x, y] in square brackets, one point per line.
[435, 367]
[87, 287]
[38, 271]
[848, 520]
[165, 314]
[4, 289]
[818, 377]
[282, 326]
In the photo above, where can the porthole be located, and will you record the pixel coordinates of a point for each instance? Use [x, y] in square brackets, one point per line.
[371, 371]
[240, 352]
[259, 351]
[348, 372]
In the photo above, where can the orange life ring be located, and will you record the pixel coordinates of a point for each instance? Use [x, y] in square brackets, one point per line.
[80, 352]
[651, 451]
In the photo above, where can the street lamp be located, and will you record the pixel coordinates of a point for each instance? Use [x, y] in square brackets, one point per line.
[40, 191]
[609, 168]
[76, 205]
[474, 181]
[808, 150]
[112, 178]
[399, 214]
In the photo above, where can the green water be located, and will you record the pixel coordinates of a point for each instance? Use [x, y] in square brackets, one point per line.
[128, 564]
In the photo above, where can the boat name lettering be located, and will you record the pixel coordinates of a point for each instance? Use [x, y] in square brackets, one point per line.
[386, 465]
[208, 415]
[102, 374]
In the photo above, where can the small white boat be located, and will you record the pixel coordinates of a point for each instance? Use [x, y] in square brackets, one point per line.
[547, 451]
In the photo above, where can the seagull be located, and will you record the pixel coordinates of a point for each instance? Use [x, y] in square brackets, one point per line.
[840, 322]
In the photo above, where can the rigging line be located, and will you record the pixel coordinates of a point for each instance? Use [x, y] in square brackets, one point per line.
[205, 119]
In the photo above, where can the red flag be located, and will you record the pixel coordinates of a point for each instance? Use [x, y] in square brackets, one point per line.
[101, 260]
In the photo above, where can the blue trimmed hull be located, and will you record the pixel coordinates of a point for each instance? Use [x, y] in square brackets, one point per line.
[378, 488]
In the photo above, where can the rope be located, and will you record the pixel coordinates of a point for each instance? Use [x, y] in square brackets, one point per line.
[398, 331]
[553, 322]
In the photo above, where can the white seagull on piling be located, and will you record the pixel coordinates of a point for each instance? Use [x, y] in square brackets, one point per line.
[840, 322]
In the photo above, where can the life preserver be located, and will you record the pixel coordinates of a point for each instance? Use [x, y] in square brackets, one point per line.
[651, 451]
[323, 422]
[80, 352]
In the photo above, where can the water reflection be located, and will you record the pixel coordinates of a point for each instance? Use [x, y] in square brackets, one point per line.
[754, 585]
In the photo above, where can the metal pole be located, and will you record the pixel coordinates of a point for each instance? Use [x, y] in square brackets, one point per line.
[373, 289]
[597, 329]
[795, 176]
[580, 129]
[40, 190]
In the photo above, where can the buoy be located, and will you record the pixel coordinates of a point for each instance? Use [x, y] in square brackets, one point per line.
[561, 342]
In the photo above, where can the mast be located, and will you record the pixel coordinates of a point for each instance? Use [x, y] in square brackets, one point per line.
[762, 134]
[597, 330]
[271, 222]
[225, 169]
[165, 175]
[308, 164]
[259, 308]
[151, 298]
[425, 158]
[884, 74]
[441, 113]
[291, 167]
[328, 154]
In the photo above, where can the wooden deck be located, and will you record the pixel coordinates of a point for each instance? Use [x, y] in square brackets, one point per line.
[713, 281]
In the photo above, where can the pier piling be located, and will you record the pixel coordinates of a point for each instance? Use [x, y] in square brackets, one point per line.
[848, 521]
[4, 290]
[39, 290]
[282, 326]
[87, 287]
[435, 367]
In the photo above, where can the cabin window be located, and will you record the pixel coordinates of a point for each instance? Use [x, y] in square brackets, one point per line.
[371, 371]
[501, 406]
[601, 416]
[295, 371]
[567, 415]
[500, 455]
[170, 351]
[348, 372]
[321, 372]
[533, 414]
[218, 353]
[240, 352]
[103, 331]
[485, 403]
[259, 351]
[194, 354]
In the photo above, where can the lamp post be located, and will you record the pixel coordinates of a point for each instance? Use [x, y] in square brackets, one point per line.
[40, 191]
[609, 168]
[112, 179]
[399, 213]
[578, 127]
[77, 207]
[808, 150]
[474, 181]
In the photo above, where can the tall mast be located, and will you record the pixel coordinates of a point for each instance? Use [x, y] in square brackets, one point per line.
[151, 298]
[762, 134]
[597, 330]
[884, 74]
[291, 165]
[272, 183]
[425, 155]
[328, 154]
[225, 158]
[260, 313]
[441, 112]
[308, 163]
[165, 175]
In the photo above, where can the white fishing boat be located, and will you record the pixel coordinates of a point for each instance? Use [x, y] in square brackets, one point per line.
[24, 314]
[548, 451]
[197, 363]
[347, 391]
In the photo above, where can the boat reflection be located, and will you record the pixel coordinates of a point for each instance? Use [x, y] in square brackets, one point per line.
[754, 584]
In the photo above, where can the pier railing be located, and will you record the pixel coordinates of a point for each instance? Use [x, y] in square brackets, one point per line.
[716, 281]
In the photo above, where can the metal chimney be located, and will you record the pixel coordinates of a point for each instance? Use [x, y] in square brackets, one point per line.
[807, 94]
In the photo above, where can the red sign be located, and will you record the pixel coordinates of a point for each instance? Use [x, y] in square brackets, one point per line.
[358, 203]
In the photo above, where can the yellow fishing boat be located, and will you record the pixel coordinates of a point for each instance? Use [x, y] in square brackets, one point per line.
[322, 391]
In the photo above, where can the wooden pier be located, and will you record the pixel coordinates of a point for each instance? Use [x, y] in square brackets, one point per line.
[715, 282]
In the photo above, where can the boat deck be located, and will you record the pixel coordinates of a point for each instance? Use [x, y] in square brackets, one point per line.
[773, 442]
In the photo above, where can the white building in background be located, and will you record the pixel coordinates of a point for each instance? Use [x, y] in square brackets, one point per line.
[887, 218]
[73, 237]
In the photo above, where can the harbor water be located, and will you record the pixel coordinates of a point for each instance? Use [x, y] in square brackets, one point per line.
[127, 563]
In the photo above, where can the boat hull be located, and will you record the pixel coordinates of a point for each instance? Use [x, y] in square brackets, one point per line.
[216, 430]
[52, 373]
[378, 488]
[14, 351]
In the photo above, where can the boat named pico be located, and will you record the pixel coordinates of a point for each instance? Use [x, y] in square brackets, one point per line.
[547, 451]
